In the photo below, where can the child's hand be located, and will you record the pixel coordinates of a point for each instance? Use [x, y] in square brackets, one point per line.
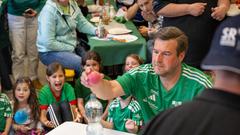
[130, 124]
[38, 131]
[24, 128]
[4, 133]
[143, 30]
[49, 124]
[78, 116]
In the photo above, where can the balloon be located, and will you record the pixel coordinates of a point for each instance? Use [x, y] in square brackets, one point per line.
[21, 116]
[94, 77]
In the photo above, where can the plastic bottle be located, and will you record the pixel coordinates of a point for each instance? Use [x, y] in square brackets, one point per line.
[94, 110]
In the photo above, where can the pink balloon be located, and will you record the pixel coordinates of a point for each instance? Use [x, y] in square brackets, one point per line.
[94, 77]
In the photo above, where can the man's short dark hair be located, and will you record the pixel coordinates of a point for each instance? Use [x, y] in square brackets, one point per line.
[168, 33]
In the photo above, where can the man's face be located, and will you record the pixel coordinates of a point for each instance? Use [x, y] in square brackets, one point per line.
[145, 5]
[164, 57]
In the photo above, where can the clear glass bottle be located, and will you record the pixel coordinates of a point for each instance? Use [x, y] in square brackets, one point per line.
[100, 29]
[94, 110]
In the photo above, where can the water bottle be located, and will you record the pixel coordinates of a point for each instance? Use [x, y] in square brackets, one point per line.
[101, 28]
[94, 110]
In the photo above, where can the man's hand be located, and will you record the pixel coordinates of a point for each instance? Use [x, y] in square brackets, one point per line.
[85, 78]
[196, 9]
[149, 16]
[30, 13]
[219, 12]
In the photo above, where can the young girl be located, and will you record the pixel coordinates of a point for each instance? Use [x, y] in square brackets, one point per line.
[25, 98]
[57, 99]
[5, 113]
[91, 60]
[124, 112]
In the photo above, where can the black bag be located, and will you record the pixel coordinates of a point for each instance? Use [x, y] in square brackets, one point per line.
[82, 46]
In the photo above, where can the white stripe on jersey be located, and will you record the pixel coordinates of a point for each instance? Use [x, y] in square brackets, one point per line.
[198, 75]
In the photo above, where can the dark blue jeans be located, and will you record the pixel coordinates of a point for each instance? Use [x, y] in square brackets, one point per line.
[69, 60]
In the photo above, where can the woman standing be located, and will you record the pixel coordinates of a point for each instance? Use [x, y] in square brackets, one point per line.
[22, 21]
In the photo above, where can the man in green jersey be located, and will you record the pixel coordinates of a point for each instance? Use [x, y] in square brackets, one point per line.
[165, 83]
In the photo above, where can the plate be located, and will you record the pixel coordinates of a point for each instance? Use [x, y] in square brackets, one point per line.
[95, 19]
[123, 38]
[94, 8]
[117, 31]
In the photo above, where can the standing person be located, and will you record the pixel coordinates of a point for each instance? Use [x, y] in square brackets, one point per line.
[57, 99]
[124, 113]
[198, 19]
[154, 24]
[216, 111]
[93, 61]
[25, 98]
[165, 83]
[132, 11]
[57, 36]
[22, 21]
[5, 113]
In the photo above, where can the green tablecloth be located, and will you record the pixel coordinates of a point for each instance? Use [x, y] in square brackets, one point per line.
[114, 52]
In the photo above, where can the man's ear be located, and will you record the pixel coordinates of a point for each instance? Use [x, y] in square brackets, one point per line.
[181, 56]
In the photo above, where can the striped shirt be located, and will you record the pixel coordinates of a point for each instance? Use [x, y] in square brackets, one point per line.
[144, 84]
[118, 116]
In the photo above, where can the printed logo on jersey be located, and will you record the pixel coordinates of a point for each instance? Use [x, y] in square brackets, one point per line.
[151, 99]
[176, 103]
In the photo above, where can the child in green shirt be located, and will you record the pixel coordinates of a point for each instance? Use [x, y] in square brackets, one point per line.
[124, 112]
[90, 60]
[57, 99]
[5, 113]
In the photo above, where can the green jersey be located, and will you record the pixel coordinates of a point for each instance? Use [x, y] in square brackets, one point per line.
[84, 92]
[118, 116]
[17, 7]
[5, 110]
[145, 85]
[46, 96]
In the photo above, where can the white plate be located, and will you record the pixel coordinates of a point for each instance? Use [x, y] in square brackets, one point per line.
[94, 8]
[95, 19]
[117, 31]
[127, 37]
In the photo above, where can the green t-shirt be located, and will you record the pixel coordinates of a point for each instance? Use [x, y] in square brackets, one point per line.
[46, 96]
[145, 85]
[84, 92]
[119, 116]
[17, 7]
[5, 110]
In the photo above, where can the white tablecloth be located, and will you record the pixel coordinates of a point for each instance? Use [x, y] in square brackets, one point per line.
[73, 128]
